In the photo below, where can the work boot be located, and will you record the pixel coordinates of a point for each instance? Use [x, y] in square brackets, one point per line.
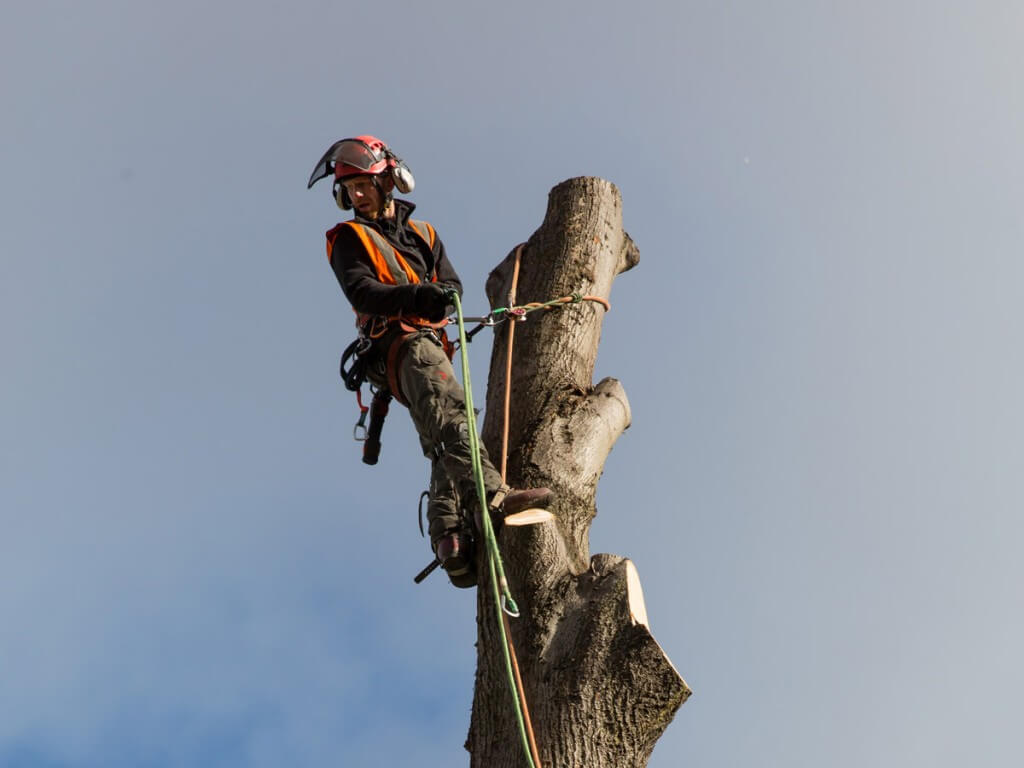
[507, 501]
[454, 552]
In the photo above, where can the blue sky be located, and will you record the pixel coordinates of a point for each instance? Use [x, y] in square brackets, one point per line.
[822, 485]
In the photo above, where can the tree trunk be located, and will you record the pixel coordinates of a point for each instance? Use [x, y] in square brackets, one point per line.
[600, 689]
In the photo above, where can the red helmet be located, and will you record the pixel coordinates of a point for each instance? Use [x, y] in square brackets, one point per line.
[360, 156]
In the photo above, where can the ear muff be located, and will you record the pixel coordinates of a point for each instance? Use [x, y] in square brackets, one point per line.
[400, 173]
[404, 181]
[341, 197]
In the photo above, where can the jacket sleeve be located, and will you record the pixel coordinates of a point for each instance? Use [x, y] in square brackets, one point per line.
[358, 279]
[444, 269]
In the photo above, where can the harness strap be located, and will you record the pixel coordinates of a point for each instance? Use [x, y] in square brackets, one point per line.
[397, 349]
[396, 352]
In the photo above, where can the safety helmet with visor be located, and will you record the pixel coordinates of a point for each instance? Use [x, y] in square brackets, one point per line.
[361, 156]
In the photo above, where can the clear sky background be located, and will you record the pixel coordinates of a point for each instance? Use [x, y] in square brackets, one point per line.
[822, 344]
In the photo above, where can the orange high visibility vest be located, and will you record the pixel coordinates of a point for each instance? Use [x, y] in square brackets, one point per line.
[390, 265]
[391, 268]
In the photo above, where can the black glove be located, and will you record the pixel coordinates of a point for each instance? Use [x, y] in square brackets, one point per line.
[431, 301]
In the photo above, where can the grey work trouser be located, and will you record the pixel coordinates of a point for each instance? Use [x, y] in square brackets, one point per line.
[437, 405]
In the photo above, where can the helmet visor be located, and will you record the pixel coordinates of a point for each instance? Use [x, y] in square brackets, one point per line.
[351, 152]
[355, 153]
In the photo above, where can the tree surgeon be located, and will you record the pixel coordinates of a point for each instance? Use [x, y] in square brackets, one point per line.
[395, 273]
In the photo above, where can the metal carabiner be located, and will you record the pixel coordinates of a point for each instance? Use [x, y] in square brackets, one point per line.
[488, 319]
[359, 430]
[508, 605]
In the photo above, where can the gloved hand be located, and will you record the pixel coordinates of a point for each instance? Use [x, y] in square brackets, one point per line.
[431, 301]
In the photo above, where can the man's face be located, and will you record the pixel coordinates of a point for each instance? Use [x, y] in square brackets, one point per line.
[365, 196]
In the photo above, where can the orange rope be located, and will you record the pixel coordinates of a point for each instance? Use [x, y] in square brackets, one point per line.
[508, 366]
[504, 472]
[504, 462]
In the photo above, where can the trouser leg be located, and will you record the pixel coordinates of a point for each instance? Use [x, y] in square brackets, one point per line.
[443, 508]
[438, 409]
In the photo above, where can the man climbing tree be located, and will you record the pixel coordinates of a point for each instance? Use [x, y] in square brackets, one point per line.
[600, 688]
[397, 276]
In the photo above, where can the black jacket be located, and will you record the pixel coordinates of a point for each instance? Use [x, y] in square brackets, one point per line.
[358, 278]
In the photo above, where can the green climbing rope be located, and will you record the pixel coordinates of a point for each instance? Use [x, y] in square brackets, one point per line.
[499, 584]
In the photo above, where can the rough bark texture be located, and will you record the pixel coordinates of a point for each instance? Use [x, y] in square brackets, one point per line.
[600, 689]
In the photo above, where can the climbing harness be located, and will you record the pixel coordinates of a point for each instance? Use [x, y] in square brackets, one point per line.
[356, 374]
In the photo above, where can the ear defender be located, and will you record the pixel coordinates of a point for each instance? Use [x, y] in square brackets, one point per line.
[404, 181]
[400, 173]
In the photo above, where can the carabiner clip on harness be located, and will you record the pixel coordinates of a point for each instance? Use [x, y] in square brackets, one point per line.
[359, 430]
[354, 376]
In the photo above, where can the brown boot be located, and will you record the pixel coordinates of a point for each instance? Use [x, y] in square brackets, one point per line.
[455, 553]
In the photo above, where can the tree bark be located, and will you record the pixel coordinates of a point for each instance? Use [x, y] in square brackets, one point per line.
[600, 689]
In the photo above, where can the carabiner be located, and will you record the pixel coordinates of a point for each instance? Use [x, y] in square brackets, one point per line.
[488, 319]
[359, 430]
[508, 605]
